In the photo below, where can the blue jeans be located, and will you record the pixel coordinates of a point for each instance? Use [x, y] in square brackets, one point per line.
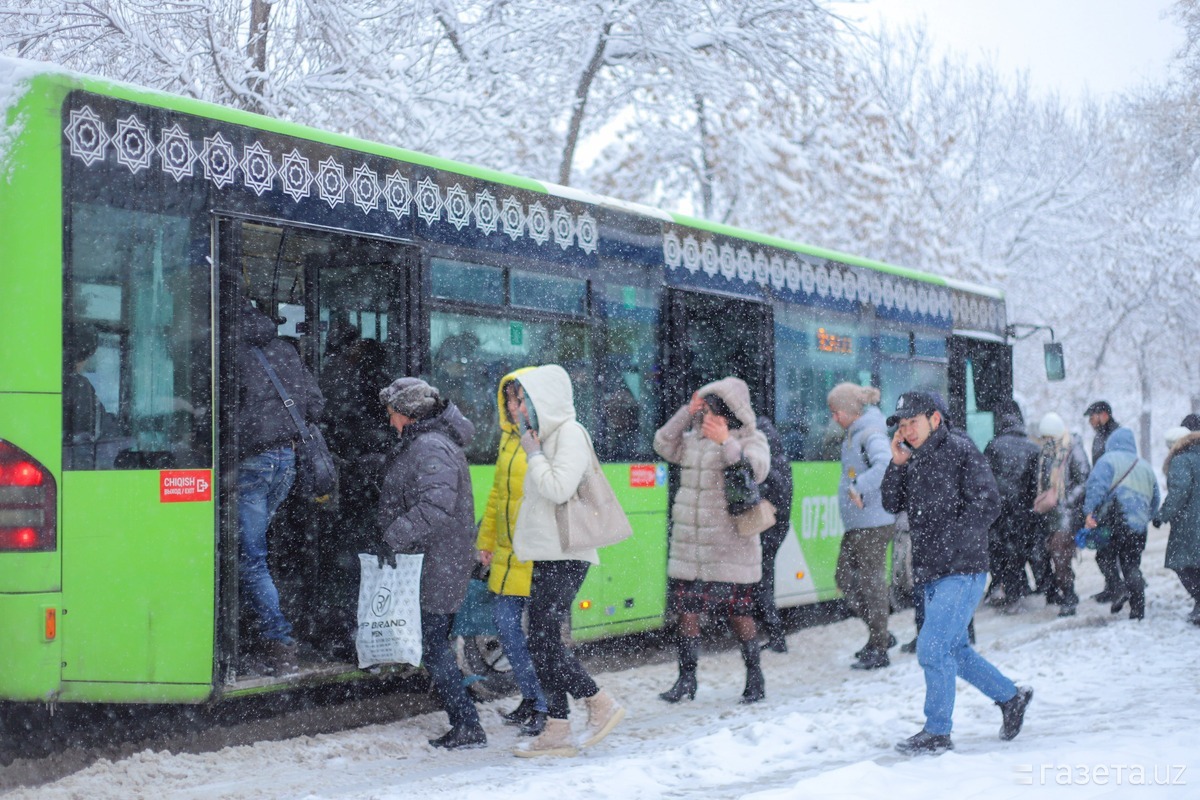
[945, 654]
[507, 611]
[264, 481]
[443, 670]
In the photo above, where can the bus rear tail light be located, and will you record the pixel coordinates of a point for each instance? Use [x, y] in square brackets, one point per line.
[28, 503]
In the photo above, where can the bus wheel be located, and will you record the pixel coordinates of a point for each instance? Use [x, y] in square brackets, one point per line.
[484, 656]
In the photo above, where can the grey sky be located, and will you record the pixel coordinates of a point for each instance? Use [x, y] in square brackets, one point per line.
[1068, 46]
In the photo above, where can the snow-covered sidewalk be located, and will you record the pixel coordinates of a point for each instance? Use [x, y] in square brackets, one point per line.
[1115, 714]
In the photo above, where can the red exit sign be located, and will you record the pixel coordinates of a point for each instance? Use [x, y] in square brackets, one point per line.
[184, 485]
[643, 476]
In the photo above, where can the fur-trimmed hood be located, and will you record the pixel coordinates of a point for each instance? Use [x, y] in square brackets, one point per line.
[1186, 443]
[736, 395]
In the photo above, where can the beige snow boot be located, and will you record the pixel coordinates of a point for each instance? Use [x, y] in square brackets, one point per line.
[554, 740]
[603, 715]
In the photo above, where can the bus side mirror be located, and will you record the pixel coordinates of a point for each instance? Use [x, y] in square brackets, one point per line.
[1056, 368]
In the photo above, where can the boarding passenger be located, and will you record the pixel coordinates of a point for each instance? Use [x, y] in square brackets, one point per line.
[426, 506]
[942, 480]
[266, 472]
[710, 568]
[869, 527]
[509, 578]
[1122, 493]
[1062, 479]
[1181, 510]
[558, 451]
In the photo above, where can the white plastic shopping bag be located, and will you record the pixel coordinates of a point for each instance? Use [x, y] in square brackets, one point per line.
[389, 611]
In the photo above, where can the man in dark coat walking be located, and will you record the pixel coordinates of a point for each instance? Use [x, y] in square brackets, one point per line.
[1100, 417]
[426, 506]
[944, 484]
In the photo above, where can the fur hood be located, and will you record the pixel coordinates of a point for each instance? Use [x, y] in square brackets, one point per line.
[736, 395]
[1186, 443]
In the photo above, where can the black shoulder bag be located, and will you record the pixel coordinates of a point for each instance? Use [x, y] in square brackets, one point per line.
[1108, 515]
[317, 473]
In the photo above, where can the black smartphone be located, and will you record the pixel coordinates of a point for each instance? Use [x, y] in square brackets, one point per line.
[906, 445]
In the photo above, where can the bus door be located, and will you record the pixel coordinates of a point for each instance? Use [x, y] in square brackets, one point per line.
[709, 337]
[713, 336]
[980, 376]
[343, 301]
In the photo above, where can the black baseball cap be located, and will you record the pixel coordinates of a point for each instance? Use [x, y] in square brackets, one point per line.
[1098, 407]
[914, 404]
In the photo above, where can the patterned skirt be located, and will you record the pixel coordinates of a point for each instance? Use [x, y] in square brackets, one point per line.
[697, 597]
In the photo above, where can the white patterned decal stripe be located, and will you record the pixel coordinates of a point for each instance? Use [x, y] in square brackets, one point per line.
[136, 147]
[695, 253]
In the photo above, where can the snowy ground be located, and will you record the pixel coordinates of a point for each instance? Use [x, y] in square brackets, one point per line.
[1115, 714]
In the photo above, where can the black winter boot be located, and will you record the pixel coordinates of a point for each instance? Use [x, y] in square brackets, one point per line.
[520, 715]
[685, 685]
[776, 641]
[1119, 601]
[755, 685]
[1137, 604]
[1013, 712]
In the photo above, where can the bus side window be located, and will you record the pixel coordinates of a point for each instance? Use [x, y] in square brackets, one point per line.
[136, 343]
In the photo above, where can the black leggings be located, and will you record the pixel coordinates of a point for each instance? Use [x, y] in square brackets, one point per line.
[555, 584]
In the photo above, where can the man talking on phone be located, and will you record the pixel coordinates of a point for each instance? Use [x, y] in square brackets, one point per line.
[942, 480]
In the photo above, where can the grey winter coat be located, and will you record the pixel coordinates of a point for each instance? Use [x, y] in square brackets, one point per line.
[704, 542]
[426, 505]
[866, 453]
[1182, 507]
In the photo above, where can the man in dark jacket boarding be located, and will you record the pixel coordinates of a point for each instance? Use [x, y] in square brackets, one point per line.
[942, 480]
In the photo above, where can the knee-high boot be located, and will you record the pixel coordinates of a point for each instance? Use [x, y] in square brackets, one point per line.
[685, 685]
[755, 686]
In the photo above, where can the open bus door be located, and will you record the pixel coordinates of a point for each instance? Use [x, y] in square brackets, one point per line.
[709, 337]
[980, 376]
[343, 301]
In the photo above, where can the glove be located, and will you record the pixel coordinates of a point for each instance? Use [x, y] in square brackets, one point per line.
[1081, 538]
[383, 551]
[530, 443]
[1156, 522]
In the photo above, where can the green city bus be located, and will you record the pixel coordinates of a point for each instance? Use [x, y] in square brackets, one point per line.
[134, 222]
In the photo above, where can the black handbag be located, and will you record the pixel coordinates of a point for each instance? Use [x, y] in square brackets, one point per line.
[1109, 516]
[315, 471]
[752, 513]
[741, 491]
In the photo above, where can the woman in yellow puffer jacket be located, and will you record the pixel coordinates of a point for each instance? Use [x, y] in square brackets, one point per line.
[510, 577]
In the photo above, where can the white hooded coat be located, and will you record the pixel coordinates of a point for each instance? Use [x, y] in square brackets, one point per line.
[705, 545]
[552, 477]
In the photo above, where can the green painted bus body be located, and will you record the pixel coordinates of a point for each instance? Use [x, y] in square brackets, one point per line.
[134, 580]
